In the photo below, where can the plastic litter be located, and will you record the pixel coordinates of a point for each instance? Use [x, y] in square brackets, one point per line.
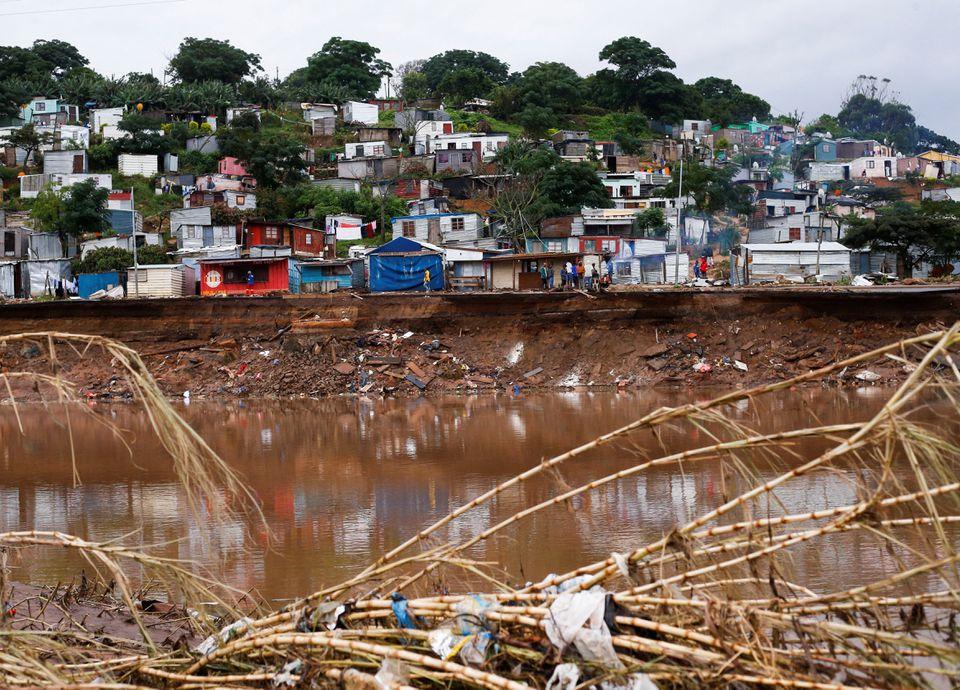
[399, 606]
[868, 376]
[393, 673]
[702, 367]
[323, 617]
[264, 353]
[565, 677]
[288, 676]
[739, 365]
[861, 281]
[466, 634]
[228, 633]
[577, 618]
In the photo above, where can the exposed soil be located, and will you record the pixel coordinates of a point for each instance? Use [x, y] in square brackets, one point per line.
[411, 344]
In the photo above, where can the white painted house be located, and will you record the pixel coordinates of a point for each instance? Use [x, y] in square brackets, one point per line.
[872, 166]
[130, 164]
[244, 201]
[104, 117]
[486, 144]
[359, 112]
[367, 149]
[440, 228]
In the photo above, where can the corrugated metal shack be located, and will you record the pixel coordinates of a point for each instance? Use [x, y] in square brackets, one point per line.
[163, 280]
[64, 162]
[89, 283]
[330, 275]
[794, 261]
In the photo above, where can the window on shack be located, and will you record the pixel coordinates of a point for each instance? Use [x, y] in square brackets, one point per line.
[409, 228]
[554, 245]
[794, 234]
[308, 238]
[271, 234]
[241, 200]
[608, 246]
[624, 268]
[238, 274]
[457, 224]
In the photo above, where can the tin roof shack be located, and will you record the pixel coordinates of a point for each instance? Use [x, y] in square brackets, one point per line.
[794, 261]
[40, 278]
[439, 228]
[121, 240]
[65, 162]
[368, 168]
[608, 221]
[357, 111]
[46, 246]
[522, 271]
[458, 162]
[400, 265]
[10, 277]
[162, 280]
[104, 117]
[232, 167]
[572, 144]
[303, 240]
[205, 144]
[144, 166]
[328, 276]
[14, 242]
[391, 135]
[32, 185]
[230, 276]
[344, 226]
[645, 261]
[244, 201]
[485, 144]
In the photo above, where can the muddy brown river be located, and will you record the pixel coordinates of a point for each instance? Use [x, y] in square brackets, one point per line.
[343, 480]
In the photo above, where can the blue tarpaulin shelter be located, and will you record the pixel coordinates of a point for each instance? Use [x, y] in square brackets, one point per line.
[89, 283]
[400, 265]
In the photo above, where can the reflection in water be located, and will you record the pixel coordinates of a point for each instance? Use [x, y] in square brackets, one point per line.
[343, 480]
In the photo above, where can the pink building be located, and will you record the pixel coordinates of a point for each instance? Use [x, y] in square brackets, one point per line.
[231, 166]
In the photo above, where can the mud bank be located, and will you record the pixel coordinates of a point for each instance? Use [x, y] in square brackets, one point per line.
[411, 344]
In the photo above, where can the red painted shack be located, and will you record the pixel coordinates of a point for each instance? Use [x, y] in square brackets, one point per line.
[231, 166]
[229, 276]
[301, 239]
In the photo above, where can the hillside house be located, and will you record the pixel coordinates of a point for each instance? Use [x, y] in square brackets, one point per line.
[32, 185]
[392, 135]
[572, 144]
[439, 228]
[359, 112]
[849, 149]
[458, 162]
[244, 276]
[65, 162]
[409, 120]
[873, 166]
[825, 151]
[312, 111]
[486, 145]
[240, 200]
[102, 117]
[368, 168]
[302, 240]
[793, 261]
[936, 164]
[232, 167]
[369, 149]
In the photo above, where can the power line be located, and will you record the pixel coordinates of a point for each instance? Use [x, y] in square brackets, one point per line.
[91, 7]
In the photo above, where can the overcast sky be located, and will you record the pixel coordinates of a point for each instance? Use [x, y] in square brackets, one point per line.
[796, 54]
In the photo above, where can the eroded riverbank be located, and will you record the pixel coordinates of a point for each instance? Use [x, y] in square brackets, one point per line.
[403, 345]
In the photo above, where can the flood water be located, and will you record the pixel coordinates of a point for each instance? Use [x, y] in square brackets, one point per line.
[343, 480]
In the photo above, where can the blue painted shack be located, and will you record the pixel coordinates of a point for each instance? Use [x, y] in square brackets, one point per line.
[401, 264]
[89, 283]
[825, 151]
[328, 275]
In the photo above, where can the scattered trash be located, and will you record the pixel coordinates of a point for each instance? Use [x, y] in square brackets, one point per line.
[399, 607]
[415, 381]
[393, 673]
[868, 376]
[344, 368]
[288, 676]
[515, 354]
[577, 618]
[861, 281]
[533, 372]
[406, 335]
[265, 353]
[702, 367]
[565, 677]
[324, 616]
[228, 633]
[692, 336]
[739, 365]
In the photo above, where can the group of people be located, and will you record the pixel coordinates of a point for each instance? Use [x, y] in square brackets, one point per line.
[700, 267]
[577, 276]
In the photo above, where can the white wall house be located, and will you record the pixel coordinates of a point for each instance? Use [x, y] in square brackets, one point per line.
[130, 164]
[103, 117]
[245, 201]
[367, 149]
[439, 228]
[205, 236]
[873, 166]
[487, 144]
[359, 112]
[31, 185]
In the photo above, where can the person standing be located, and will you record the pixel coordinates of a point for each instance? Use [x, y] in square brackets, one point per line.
[543, 276]
[704, 265]
[568, 273]
[595, 278]
[581, 272]
[426, 279]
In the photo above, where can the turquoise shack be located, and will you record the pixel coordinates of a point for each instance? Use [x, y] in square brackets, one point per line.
[327, 275]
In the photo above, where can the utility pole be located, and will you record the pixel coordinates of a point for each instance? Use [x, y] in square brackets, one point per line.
[676, 274]
[133, 232]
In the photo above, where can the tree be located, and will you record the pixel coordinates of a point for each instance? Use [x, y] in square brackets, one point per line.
[651, 223]
[439, 66]
[568, 187]
[872, 118]
[28, 139]
[915, 234]
[104, 259]
[636, 61]
[207, 59]
[145, 135]
[47, 211]
[273, 156]
[536, 120]
[550, 85]
[84, 210]
[413, 87]
[631, 129]
[712, 189]
[464, 84]
[726, 103]
[59, 56]
[349, 68]
[151, 255]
